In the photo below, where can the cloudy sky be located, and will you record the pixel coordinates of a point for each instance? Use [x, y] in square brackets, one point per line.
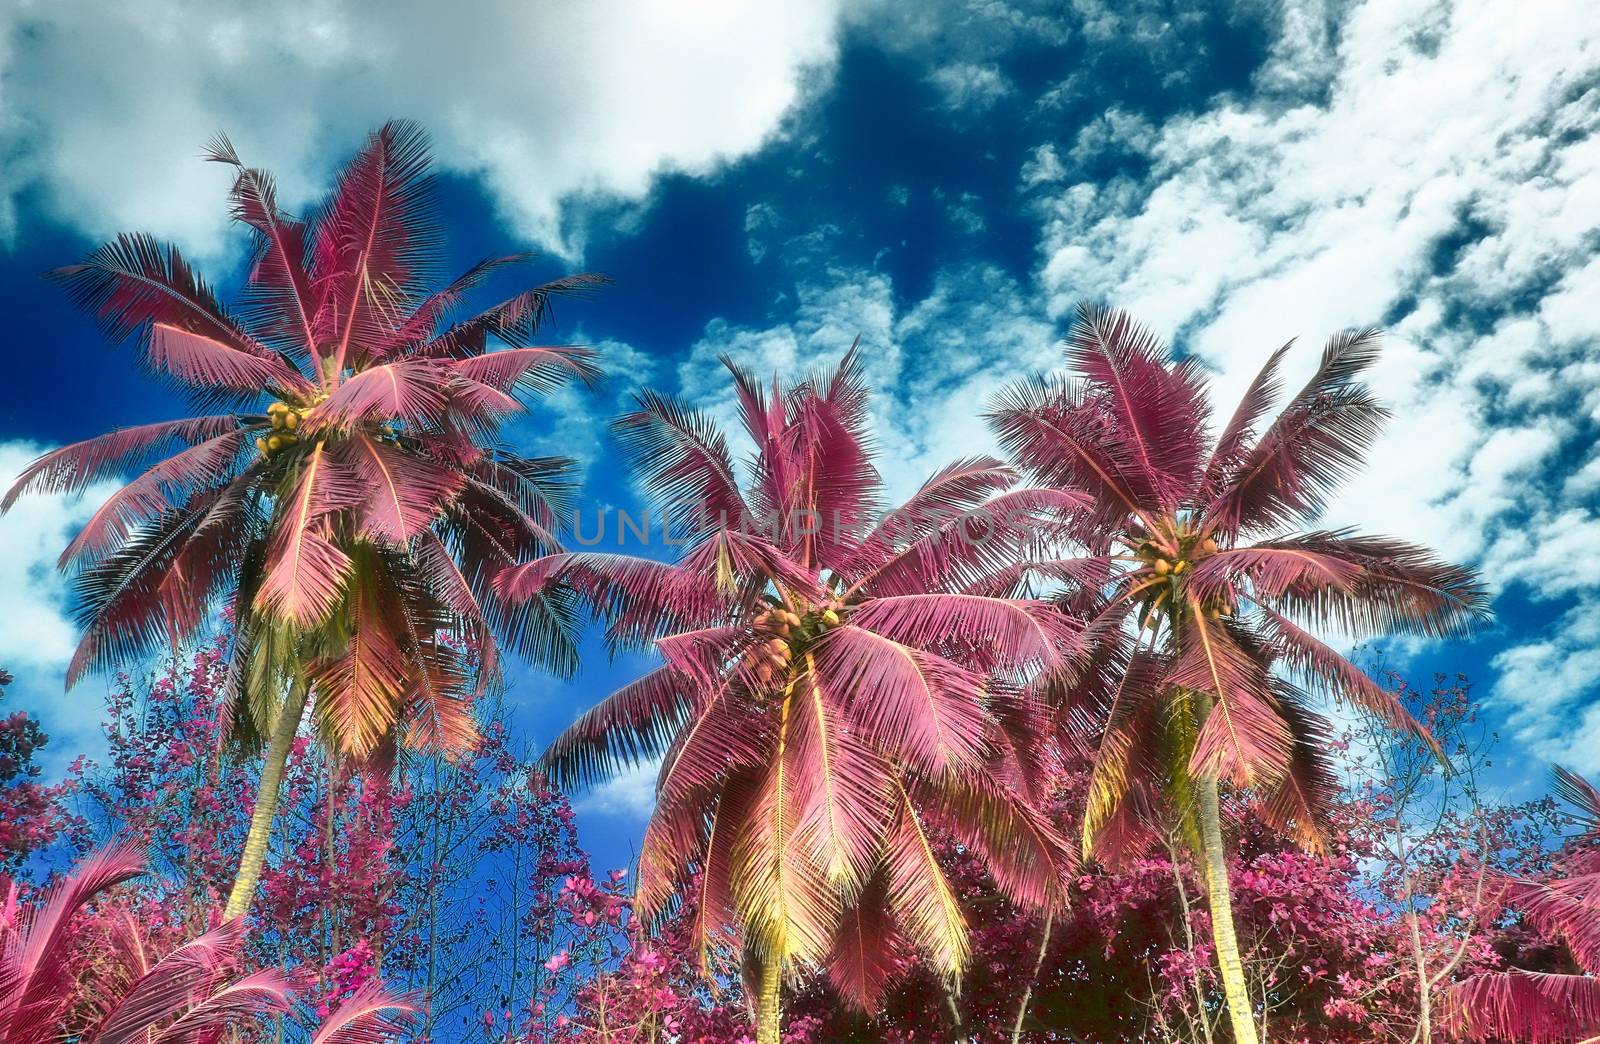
[947, 180]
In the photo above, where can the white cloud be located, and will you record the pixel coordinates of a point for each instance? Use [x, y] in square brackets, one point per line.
[933, 364]
[1434, 165]
[106, 107]
[631, 793]
[1547, 687]
[39, 637]
[1043, 167]
[975, 88]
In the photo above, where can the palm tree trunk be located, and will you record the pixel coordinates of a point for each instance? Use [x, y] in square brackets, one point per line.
[1027, 993]
[1240, 1011]
[769, 1002]
[255, 843]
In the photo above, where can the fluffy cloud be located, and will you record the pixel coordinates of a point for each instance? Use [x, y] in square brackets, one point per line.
[933, 363]
[971, 87]
[106, 106]
[39, 636]
[630, 794]
[1445, 181]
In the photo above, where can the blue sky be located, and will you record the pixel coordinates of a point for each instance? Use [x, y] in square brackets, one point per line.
[945, 179]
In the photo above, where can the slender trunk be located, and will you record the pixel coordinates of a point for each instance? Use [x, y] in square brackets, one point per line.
[769, 1002]
[255, 843]
[1234, 989]
[952, 1003]
[328, 837]
[1038, 963]
[1424, 1033]
[1185, 908]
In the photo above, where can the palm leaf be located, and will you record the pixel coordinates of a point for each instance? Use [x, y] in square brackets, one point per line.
[71, 469]
[405, 493]
[372, 245]
[1528, 1007]
[842, 798]
[1244, 738]
[1160, 412]
[923, 903]
[370, 1015]
[632, 726]
[305, 569]
[925, 708]
[1319, 438]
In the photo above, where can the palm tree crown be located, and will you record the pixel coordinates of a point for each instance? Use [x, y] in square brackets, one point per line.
[834, 689]
[342, 483]
[1187, 538]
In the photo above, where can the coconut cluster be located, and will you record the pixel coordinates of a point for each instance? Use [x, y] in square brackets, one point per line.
[1165, 562]
[285, 425]
[788, 631]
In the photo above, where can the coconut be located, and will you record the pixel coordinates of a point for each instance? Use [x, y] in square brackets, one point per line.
[830, 617]
[1162, 567]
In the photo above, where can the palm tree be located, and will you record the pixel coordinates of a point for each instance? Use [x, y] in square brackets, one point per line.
[831, 694]
[341, 486]
[1546, 1007]
[1201, 604]
[53, 987]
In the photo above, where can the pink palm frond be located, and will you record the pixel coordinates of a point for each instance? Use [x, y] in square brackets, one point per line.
[134, 283]
[514, 321]
[36, 974]
[201, 361]
[1023, 634]
[371, 1015]
[1244, 738]
[1524, 1006]
[1328, 670]
[918, 702]
[1318, 439]
[842, 798]
[1160, 412]
[631, 726]
[71, 469]
[279, 295]
[121, 609]
[1238, 435]
[307, 568]
[405, 493]
[414, 392]
[1581, 795]
[373, 244]
[155, 492]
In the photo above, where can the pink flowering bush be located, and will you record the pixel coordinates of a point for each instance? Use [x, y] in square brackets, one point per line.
[32, 813]
[464, 882]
